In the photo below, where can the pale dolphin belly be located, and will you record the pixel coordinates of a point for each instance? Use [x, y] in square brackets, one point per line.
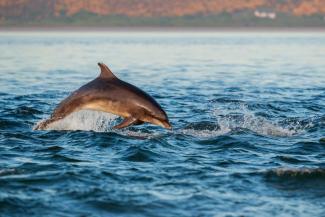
[108, 106]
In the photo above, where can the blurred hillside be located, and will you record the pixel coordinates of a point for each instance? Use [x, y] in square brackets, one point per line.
[210, 13]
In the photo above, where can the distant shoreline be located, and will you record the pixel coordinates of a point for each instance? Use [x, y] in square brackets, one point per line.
[157, 29]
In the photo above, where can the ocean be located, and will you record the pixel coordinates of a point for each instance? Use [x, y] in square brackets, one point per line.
[248, 116]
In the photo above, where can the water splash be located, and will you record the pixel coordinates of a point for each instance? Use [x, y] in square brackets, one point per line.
[86, 120]
[237, 118]
[242, 118]
[89, 120]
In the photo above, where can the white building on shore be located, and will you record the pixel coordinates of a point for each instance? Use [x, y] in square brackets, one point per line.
[265, 14]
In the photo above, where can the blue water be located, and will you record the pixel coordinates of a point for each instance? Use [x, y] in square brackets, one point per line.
[248, 116]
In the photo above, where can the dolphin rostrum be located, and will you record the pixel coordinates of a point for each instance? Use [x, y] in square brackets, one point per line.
[109, 94]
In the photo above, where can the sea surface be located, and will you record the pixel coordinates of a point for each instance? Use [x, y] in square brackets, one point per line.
[248, 116]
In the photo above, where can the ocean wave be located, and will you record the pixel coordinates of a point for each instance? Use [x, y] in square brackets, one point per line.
[308, 181]
[298, 172]
[8, 171]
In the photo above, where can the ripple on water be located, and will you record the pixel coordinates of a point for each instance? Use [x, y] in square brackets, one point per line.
[138, 154]
[9, 123]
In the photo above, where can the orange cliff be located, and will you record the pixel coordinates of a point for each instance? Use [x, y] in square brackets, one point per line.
[39, 9]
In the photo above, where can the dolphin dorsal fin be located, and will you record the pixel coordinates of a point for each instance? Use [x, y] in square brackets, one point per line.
[105, 71]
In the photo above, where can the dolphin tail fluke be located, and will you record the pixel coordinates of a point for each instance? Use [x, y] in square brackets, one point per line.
[43, 124]
[127, 122]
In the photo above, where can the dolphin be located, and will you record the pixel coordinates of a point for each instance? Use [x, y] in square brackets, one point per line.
[107, 93]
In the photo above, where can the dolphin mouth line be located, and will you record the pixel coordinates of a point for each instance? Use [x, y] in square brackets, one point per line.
[167, 125]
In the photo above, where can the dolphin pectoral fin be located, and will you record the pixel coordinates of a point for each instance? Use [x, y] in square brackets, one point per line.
[126, 122]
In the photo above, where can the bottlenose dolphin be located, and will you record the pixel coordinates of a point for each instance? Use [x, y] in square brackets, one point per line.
[109, 94]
